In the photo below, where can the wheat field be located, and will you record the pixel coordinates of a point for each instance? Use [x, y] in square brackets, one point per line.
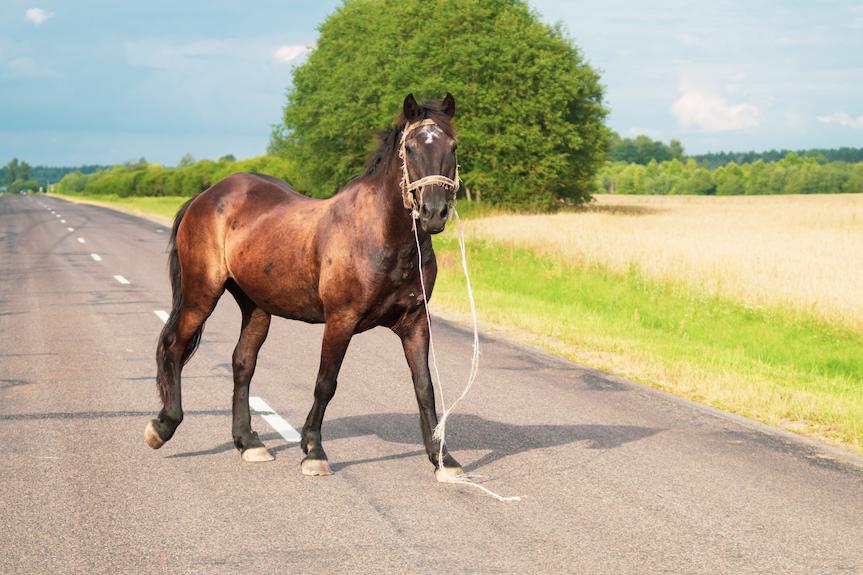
[802, 252]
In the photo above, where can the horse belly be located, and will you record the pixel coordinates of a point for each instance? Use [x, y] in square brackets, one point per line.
[273, 263]
[284, 295]
[282, 282]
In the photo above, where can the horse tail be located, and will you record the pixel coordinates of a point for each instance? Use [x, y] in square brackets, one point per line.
[168, 335]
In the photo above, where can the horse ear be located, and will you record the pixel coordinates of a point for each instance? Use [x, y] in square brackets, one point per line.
[449, 105]
[412, 110]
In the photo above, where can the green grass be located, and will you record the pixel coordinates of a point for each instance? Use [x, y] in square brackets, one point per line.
[162, 206]
[772, 364]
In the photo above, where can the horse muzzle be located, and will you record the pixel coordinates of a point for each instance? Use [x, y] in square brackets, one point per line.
[433, 216]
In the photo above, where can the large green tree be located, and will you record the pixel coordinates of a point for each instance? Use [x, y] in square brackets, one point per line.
[530, 111]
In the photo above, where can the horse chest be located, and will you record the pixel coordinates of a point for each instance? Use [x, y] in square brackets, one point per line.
[400, 266]
[398, 287]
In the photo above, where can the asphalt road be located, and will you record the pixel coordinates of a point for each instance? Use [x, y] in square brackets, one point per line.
[614, 477]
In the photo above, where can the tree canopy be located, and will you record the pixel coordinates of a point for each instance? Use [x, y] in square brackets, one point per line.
[15, 171]
[642, 149]
[530, 112]
[16, 177]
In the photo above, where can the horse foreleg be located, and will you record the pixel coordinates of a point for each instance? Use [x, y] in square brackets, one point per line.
[415, 341]
[256, 324]
[337, 336]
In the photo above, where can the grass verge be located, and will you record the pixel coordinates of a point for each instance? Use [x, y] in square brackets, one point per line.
[771, 364]
[162, 207]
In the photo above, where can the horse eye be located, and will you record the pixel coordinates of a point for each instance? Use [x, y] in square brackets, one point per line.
[410, 150]
[454, 147]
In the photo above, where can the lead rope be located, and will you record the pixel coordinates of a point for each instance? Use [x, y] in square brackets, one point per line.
[440, 429]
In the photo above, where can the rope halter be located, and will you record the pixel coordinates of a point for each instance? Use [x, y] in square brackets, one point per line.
[412, 192]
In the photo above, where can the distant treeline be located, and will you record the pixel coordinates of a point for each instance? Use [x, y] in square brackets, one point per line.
[188, 179]
[642, 149]
[51, 175]
[822, 155]
[792, 174]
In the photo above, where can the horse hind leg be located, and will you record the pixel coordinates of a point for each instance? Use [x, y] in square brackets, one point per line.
[177, 342]
[337, 336]
[256, 324]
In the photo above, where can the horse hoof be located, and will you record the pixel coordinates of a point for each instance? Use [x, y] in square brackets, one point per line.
[152, 437]
[316, 467]
[449, 474]
[256, 455]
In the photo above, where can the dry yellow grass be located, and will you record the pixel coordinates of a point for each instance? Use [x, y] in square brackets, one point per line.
[803, 252]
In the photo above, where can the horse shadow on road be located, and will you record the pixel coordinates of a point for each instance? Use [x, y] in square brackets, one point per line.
[464, 431]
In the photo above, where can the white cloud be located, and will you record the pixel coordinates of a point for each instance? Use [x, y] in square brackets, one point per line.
[705, 111]
[287, 53]
[37, 15]
[693, 40]
[163, 54]
[843, 119]
[205, 54]
[26, 68]
[16, 63]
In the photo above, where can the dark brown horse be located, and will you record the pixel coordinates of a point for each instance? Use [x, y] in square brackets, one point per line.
[349, 262]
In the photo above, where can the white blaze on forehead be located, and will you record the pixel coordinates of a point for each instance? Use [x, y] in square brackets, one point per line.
[430, 133]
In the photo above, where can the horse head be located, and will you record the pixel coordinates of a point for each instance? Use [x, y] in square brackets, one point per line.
[429, 167]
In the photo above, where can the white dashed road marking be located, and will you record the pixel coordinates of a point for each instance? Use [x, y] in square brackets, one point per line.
[275, 420]
[257, 404]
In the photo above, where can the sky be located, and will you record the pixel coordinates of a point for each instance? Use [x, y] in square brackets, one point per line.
[101, 81]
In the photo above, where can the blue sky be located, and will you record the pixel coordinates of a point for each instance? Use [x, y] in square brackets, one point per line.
[101, 81]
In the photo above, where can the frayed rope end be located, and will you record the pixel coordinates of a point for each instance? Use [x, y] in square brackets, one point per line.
[467, 479]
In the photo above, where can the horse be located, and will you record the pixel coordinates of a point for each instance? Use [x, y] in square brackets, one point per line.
[352, 262]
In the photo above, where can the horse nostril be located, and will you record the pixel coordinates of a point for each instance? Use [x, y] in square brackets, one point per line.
[444, 212]
[424, 211]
